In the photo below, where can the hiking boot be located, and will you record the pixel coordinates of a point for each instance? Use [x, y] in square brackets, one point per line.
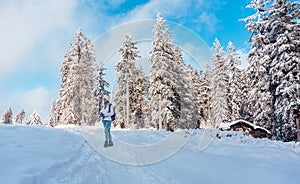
[106, 144]
[110, 143]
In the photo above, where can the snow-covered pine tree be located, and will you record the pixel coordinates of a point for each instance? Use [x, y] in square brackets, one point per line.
[53, 118]
[77, 102]
[163, 93]
[283, 35]
[187, 92]
[20, 117]
[188, 98]
[66, 93]
[7, 117]
[261, 99]
[128, 76]
[219, 87]
[243, 93]
[197, 85]
[139, 104]
[234, 95]
[101, 86]
[205, 96]
[87, 83]
[35, 119]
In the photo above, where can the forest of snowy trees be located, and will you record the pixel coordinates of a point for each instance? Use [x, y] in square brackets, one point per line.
[175, 95]
[7, 118]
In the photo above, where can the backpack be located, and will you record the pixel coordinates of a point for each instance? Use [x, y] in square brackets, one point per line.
[113, 117]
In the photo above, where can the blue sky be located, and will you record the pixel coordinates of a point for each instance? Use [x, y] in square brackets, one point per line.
[35, 35]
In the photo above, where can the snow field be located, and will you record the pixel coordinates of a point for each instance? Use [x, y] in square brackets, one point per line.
[36, 154]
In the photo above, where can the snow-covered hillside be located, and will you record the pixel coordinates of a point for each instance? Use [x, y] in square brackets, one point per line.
[36, 154]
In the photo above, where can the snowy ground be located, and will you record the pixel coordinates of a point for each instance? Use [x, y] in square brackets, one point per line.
[33, 154]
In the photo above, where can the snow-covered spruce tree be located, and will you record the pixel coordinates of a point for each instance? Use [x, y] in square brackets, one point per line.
[7, 117]
[53, 118]
[187, 92]
[283, 45]
[261, 100]
[205, 96]
[20, 117]
[139, 104]
[189, 99]
[243, 93]
[77, 102]
[130, 94]
[65, 102]
[196, 78]
[219, 103]
[235, 87]
[35, 119]
[275, 39]
[101, 86]
[163, 92]
[87, 85]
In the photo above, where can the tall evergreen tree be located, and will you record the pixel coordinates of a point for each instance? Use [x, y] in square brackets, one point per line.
[163, 92]
[190, 103]
[261, 100]
[187, 92]
[77, 102]
[130, 96]
[274, 59]
[282, 42]
[197, 85]
[139, 104]
[101, 87]
[65, 102]
[219, 104]
[205, 96]
[234, 83]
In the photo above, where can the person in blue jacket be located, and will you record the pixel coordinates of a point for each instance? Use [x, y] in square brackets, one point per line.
[107, 112]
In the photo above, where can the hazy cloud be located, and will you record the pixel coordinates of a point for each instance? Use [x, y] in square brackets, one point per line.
[38, 99]
[208, 21]
[25, 25]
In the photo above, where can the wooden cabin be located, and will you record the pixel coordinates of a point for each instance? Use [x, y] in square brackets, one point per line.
[247, 127]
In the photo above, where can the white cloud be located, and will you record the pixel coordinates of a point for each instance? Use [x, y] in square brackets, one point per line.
[174, 8]
[34, 36]
[181, 11]
[38, 99]
[209, 21]
[26, 25]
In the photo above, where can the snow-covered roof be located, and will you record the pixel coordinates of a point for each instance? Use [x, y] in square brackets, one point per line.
[228, 125]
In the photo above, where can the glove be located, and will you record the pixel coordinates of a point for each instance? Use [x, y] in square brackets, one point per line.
[102, 115]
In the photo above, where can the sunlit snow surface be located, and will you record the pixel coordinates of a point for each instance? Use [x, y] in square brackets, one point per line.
[33, 154]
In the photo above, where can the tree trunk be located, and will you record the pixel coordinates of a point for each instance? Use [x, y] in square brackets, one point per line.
[298, 128]
[159, 113]
[127, 104]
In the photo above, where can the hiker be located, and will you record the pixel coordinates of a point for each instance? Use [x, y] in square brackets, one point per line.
[106, 113]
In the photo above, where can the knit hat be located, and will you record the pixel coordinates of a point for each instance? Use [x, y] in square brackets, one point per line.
[106, 97]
